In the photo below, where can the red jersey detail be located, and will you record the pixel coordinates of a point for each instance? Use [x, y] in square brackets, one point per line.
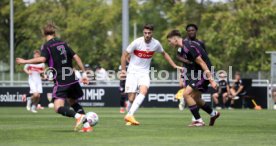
[143, 54]
[32, 68]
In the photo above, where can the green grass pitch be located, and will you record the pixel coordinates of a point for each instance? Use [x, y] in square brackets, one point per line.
[159, 126]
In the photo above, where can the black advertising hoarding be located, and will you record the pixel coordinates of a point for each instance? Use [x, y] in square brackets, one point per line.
[158, 96]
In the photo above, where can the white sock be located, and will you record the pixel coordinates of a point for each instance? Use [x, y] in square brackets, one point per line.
[213, 113]
[33, 107]
[193, 119]
[128, 105]
[86, 125]
[77, 115]
[29, 102]
[181, 101]
[135, 105]
[199, 120]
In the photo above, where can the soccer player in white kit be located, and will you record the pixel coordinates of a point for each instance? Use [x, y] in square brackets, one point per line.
[35, 83]
[141, 52]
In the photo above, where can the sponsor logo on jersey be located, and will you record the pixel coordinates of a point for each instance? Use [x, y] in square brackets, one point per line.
[144, 54]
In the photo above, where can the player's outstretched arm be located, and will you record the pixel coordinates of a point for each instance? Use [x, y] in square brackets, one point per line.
[31, 61]
[206, 70]
[168, 58]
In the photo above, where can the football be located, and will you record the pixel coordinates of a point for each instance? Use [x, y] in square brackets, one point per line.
[92, 118]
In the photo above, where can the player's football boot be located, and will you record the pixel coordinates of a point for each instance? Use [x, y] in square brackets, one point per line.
[122, 110]
[39, 107]
[33, 109]
[89, 129]
[79, 122]
[128, 124]
[28, 108]
[213, 118]
[197, 124]
[131, 119]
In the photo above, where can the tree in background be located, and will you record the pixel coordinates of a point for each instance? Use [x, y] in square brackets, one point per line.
[236, 32]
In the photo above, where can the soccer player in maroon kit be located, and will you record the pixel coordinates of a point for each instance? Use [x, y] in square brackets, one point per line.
[195, 80]
[59, 56]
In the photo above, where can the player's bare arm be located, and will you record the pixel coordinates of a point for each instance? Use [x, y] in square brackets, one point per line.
[203, 65]
[79, 62]
[124, 58]
[239, 90]
[84, 78]
[27, 71]
[168, 58]
[31, 61]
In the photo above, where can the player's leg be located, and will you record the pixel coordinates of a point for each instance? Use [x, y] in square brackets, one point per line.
[123, 96]
[215, 97]
[28, 100]
[193, 106]
[60, 109]
[76, 106]
[123, 102]
[40, 91]
[74, 94]
[35, 100]
[129, 118]
[181, 104]
[179, 94]
[233, 93]
[224, 99]
[138, 100]
[33, 90]
[205, 107]
[136, 104]
[131, 97]
[65, 111]
[131, 89]
[143, 81]
[79, 109]
[60, 93]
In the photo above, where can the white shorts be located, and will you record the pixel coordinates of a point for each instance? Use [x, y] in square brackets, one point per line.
[35, 87]
[134, 80]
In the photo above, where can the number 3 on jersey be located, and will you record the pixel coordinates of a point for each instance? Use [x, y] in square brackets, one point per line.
[63, 53]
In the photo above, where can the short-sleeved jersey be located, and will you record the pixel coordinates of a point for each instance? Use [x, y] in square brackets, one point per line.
[141, 54]
[181, 52]
[192, 50]
[59, 56]
[36, 70]
[223, 85]
[201, 43]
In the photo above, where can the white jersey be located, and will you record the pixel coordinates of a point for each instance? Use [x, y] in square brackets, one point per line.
[141, 54]
[36, 69]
